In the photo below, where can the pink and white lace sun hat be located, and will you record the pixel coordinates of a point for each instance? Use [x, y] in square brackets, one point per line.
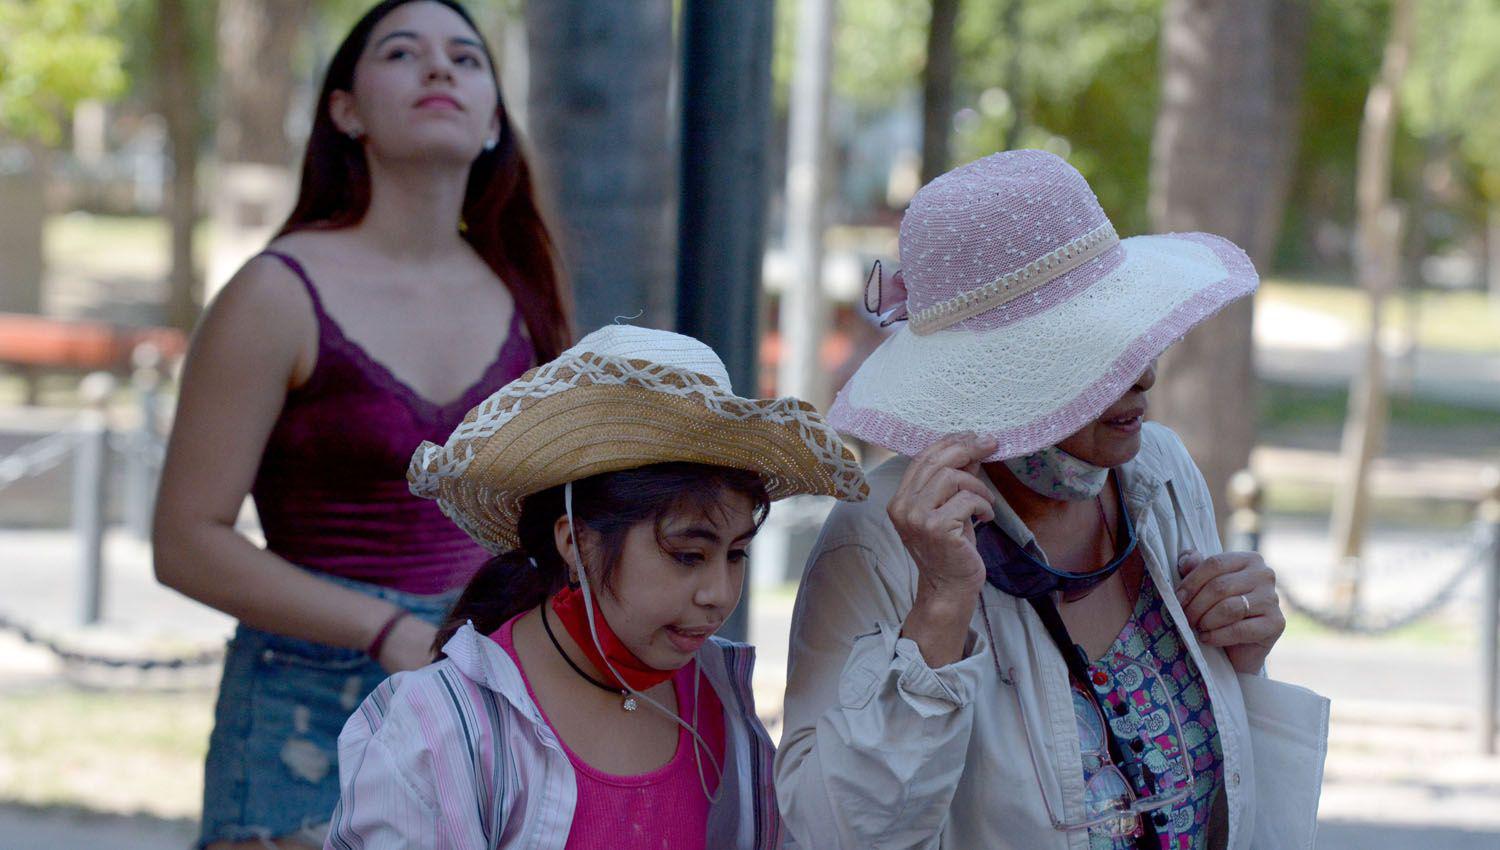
[1026, 315]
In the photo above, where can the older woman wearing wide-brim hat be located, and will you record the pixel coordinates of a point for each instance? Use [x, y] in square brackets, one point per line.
[1028, 637]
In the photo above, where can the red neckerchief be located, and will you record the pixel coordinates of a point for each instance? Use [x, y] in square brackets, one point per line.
[568, 605]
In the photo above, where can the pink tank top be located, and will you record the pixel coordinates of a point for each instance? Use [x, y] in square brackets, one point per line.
[661, 810]
[331, 489]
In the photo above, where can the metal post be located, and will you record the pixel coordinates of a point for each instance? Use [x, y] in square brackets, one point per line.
[803, 317]
[726, 124]
[140, 466]
[90, 482]
[1245, 498]
[1489, 616]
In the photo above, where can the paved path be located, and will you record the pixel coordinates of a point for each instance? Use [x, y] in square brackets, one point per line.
[1402, 771]
[25, 828]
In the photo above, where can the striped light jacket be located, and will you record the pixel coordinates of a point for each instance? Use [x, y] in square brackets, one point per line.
[457, 756]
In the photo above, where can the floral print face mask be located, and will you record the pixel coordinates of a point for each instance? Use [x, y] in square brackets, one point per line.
[1058, 475]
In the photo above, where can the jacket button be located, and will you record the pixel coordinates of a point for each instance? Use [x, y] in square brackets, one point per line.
[1234, 778]
[1121, 709]
[1100, 679]
[1137, 746]
[1160, 818]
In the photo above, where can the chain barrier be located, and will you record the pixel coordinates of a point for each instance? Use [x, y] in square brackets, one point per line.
[49, 452]
[139, 445]
[1356, 622]
[43, 455]
[37, 457]
[203, 658]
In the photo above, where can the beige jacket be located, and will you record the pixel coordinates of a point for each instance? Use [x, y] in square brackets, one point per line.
[881, 751]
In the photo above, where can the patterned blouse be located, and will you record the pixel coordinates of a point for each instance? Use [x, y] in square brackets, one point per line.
[1138, 714]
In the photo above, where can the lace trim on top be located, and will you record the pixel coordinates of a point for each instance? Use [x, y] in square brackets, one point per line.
[332, 337]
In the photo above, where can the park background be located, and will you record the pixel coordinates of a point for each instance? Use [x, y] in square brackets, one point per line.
[147, 147]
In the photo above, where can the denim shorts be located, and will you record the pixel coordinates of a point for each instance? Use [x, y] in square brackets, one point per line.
[272, 768]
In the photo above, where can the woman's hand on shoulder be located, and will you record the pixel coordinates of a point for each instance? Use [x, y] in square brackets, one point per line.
[408, 646]
[1230, 601]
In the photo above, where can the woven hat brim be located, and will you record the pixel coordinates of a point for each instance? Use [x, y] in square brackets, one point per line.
[580, 431]
[1032, 383]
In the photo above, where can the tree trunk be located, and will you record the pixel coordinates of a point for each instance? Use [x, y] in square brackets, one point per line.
[255, 184]
[1221, 161]
[600, 76]
[1010, 23]
[177, 88]
[257, 42]
[23, 215]
[1377, 264]
[1492, 256]
[937, 89]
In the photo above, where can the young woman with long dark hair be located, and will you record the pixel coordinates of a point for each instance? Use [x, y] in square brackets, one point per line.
[414, 276]
[583, 701]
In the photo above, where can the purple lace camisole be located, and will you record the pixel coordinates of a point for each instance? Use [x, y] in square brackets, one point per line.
[331, 489]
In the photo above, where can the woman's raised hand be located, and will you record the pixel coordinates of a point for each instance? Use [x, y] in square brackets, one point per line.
[933, 511]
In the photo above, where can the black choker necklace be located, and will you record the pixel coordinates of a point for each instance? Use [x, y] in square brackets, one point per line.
[627, 701]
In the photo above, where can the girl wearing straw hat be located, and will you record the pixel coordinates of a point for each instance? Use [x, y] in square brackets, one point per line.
[1028, 637]
[583, 701]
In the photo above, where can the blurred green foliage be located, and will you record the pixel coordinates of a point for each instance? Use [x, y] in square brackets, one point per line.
[53, 54]
[1453, 90]
[1087, 88]
[1085, 85]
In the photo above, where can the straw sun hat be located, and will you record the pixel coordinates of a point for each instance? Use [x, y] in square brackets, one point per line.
[1026, 315]
[622, 398]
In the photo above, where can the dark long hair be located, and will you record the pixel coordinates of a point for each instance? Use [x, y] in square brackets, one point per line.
[504, 221]
[609, 505]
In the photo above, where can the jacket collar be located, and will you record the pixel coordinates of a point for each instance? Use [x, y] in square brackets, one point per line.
[724, 664]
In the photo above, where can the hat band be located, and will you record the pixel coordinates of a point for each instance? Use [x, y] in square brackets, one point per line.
[1017, 283]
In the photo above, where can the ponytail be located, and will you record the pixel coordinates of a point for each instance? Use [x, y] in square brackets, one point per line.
[505, 586]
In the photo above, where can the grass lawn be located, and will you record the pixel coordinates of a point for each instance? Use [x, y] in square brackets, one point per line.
[137, 246]
[120, 751]
[1283, 405]
[107, 247]
[1303, 498]
[1456, 321]
[1431, 632]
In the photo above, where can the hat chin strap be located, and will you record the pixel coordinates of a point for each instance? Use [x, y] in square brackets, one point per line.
[700, 746]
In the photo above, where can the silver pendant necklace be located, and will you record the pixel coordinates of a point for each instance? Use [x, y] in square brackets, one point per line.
[627, 699]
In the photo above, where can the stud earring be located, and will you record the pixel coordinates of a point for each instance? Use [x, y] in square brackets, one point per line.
[490, 144]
